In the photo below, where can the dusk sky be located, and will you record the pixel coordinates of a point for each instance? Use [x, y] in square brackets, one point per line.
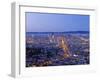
[47, 22]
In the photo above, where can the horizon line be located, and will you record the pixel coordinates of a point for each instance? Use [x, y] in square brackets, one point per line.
[68, 31]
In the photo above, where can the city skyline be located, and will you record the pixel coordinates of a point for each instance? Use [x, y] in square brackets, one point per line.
[51, 22]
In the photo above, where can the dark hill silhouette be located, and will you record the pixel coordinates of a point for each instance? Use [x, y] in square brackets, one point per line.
[74, 32]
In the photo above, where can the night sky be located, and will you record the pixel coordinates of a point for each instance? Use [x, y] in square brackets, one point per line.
[47, 22]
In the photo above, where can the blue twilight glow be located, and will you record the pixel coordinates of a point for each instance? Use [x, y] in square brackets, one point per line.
[47, 22]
